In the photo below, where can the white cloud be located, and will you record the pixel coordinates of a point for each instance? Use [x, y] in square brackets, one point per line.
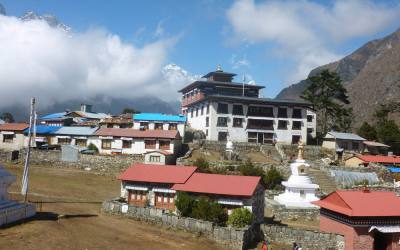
[239, 62]
[304, 30]
[53, 65]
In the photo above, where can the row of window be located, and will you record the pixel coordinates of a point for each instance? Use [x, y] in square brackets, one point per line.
[260, 111]
[255, 124]
[195, 112]
[158, 126]
[148, 144]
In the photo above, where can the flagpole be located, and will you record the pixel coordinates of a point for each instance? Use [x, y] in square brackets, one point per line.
[25, 183]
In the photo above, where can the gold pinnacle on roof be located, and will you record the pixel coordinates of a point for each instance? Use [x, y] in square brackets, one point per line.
[300, 156]
[219, 69]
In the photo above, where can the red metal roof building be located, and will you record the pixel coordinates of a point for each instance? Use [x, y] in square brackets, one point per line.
[156, 186]
[367, 219]
[13, 126]
[358, 160]
[135, 133]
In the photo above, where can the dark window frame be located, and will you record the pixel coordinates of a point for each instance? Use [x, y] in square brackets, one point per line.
[222, 124]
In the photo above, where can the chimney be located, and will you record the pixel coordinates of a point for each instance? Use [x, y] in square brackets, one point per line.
[86, 108]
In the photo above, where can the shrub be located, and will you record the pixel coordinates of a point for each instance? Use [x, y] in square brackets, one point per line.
[184, 204]
[240, 217]
[93, 147]
[204, 209]
[273, 179]
[202, 165]
[248, 169]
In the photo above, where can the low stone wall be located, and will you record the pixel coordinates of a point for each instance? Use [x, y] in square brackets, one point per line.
[307, 239]
[103, 163]
[282, 213]
[310, 152]
[233, 238]
[239, 146]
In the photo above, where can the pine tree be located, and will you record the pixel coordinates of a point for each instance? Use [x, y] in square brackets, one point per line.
[367, 131]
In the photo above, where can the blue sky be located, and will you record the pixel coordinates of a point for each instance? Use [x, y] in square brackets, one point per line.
[273, 43]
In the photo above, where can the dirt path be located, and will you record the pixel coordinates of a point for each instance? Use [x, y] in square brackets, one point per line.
[81, 225]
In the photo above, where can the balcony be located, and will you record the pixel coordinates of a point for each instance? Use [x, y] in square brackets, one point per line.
[260, 124]
[192, 99]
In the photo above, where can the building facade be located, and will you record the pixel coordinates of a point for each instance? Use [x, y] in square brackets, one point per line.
[12, 136]
[224, 110]
[157, 121]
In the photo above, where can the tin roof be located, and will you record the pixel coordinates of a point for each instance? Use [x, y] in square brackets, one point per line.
[13, 126]
[362, 203]
[157, 173]
[233, 185]
[75, 130]
[345, 136]
[375, 144]
[135, 133]
[54, 116]
[379, 159]
[43, 129]
[159, 117]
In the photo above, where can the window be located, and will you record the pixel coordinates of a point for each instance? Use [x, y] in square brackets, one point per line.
[64, 141]
[296, 125]
[149, 144]
[158, 126]
[208, 109]
[197, 112]
[295, 139]
[260, 124]
[110, 125]
[165, 145]
[8, 138]
[172, 126]
[144, 125]
[222, 122]
[302, 194]
[310, 130]
[155, 158]
[282, 124]
[206, 132]
[201, 110]
[260, 111]
[126, 144]
[222, 108]
[237, 122]
[191, 113]
[296, 113]
[268, 138]
[80, 142]
[237, 110]
[252, 137]
[282, 112]
[207, 121]
[222, 136]
[106, 144]
[310, 118]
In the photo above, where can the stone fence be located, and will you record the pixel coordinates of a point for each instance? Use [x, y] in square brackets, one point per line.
[310, 152]
[283, 213]
[103, 163]
[307, 239]
[232, 237]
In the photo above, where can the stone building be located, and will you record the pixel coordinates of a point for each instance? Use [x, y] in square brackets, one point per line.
[12, 136]
[367, 219]
[224, 109]
[160, 157]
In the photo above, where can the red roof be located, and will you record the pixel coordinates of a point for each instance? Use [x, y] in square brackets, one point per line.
[157, 173]
[379, 159]
[220, 184]
[135, 133]
[362, 203]
[14, 126]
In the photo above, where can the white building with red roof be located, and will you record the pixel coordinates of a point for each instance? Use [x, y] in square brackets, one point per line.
[134, 141]
[12, 136]
[367, 219]
[156, 186]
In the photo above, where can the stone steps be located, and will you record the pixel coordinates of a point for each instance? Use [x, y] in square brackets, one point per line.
[325, 182]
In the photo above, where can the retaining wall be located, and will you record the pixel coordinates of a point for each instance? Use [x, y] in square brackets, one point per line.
[233, 238]
[307, 239]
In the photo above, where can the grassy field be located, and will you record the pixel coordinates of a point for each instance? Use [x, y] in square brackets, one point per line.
[77, 196]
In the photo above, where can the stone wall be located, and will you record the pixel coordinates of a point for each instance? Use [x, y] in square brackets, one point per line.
[233, 238]
[310, 152]
[104, 163]
[282, 213]
[307, 239]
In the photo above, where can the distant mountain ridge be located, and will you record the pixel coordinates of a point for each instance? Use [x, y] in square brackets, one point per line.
[371, 75]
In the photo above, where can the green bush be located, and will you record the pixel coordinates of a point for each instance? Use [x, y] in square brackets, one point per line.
[273, 179]
[184, 204]
[93, 147]
[204, 209]
[240, 217]
[248, 169]
[202, 165]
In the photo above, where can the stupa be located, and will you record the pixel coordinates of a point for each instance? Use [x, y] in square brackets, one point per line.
[299, 190]
[11, 211]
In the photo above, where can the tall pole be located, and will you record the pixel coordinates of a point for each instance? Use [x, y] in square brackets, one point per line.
[244, 79]
[25, 181]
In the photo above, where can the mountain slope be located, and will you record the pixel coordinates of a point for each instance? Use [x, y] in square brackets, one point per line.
[371, 74]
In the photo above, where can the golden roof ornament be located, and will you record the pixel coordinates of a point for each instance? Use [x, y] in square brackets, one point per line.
[300, 156]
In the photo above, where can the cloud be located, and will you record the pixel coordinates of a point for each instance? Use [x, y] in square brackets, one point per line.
[239, 62]
[305, 31]
[54, 65]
